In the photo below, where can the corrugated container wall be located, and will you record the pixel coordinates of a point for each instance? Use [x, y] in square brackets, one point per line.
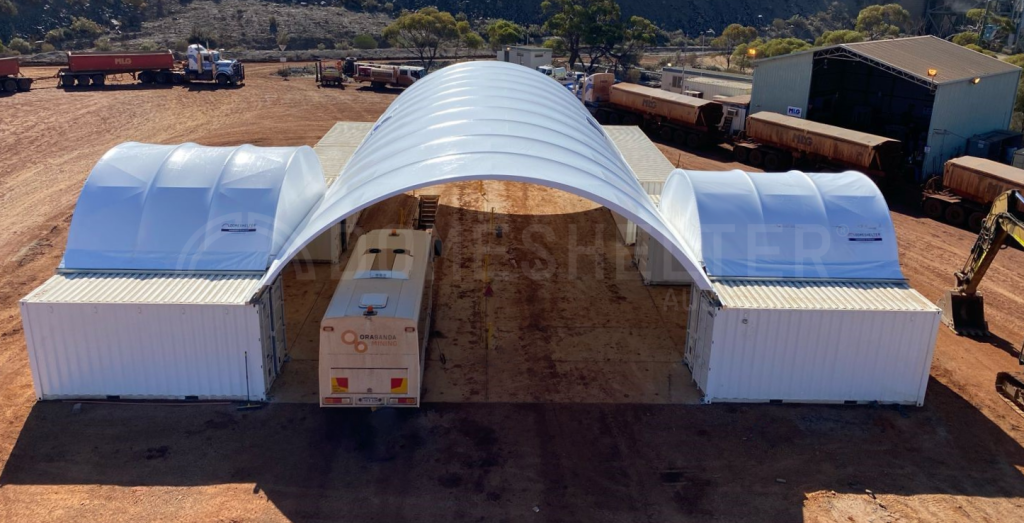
[650, 166]
[154, 336]
[782, 82]
[811, 342]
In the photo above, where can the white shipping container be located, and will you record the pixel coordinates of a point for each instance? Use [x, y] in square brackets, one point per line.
[656, 264]
[648, 164]
[154, 336]
[811, 342]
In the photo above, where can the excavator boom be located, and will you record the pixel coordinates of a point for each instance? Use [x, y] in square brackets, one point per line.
[963, 308]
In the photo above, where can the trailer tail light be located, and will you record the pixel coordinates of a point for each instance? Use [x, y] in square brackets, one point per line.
[399, 385]
[337, 401]
[339, 385]
[401, 401]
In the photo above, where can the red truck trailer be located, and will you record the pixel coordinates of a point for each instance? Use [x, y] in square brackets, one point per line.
[92, 68]
[10, 76]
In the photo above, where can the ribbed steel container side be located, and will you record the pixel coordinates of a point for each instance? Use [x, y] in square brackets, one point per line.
[149, 336]
[812, 342]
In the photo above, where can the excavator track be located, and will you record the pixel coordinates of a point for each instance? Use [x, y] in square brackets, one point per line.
[1010, 385]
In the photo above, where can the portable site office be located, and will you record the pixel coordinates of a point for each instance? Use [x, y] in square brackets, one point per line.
[808, 302]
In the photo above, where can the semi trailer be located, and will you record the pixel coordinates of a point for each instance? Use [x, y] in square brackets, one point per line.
[775, 141]
[684, 119]
[966, 190]
[159, 67]
[11, 80]
[383, 75]
[374, 334]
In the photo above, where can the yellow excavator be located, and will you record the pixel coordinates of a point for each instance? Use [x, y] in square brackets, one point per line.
[963, 308]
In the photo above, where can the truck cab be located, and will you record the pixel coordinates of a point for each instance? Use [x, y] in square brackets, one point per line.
[207, 65]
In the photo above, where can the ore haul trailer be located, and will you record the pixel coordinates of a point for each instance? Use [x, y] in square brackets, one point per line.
[158, 67]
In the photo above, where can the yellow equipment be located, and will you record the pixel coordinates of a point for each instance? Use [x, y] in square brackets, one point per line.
[963, 308]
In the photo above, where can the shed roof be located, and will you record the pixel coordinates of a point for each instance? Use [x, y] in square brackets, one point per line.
[190, 207]
[821, 295]
[915, 55]
[783, 225]
[148, 288]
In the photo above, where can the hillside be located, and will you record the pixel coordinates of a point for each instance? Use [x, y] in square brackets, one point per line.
[246, 23]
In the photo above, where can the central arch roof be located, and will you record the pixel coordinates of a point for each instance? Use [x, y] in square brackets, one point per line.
[487, 121]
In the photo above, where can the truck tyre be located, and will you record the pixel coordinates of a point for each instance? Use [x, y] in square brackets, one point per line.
[629, 119]
[741, 154]
[24, 84]
[956, 215]
[614, 118]
[756, 157]
[223, 80]
[975, 221]
[147, 77]
[666, 133]
[934, 208]
[772, 162]
[82, 80]
[679, 137]
[601, 117]
[693, 141]
[99, 80]
[9, 85]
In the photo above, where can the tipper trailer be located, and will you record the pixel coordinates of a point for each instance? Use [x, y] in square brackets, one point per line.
[158, 67]
[686, 120]
[374, 335]
[383, 75]
[775, 141]
[966, 190]
[10, 76]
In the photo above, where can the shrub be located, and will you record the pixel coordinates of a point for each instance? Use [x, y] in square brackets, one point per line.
[202, 36]
[284, 72]
[47, 47]
[85, 28]
[273, 25]
[364, 41]
[148, 46]
[180, 46]
[965, 39]
[20, 45]
[343, 45]
[389, 7]
[103, 44]
[57, 36]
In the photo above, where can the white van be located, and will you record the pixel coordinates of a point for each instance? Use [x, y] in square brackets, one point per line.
[374, 335]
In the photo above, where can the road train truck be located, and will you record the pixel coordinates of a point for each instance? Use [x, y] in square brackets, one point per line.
[966, 190]
[688, 121]
[11, 80]
[158, 67]
[374, 335]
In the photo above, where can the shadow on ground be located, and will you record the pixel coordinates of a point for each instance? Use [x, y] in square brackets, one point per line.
[497, 461]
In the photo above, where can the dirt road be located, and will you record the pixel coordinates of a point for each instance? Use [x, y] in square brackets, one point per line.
[959, 458]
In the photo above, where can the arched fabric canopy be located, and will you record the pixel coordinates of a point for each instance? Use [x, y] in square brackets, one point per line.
[190, 207]
[783, 225]
[487, 121]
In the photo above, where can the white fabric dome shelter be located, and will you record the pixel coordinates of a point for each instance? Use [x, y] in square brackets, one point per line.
[783, 225]
[190, 207]
[487, 121]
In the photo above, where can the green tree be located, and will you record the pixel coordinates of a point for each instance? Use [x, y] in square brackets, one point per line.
[364, 41]
[638, 35]
[965, 39]
[590, 26]
[425, 33]
[557, 46]
[8, 8]
[781, 46]
[841, 36]
[732, 36]
[103, 44]
[978, 48]
[741, 57]
[20, 45]
[883, 21]
[273, 25]
[503, 32]
[283, 39]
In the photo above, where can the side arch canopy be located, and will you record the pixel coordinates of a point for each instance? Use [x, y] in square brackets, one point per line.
[487, 121]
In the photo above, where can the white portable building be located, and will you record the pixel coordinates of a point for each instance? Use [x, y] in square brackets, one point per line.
[808, 301]
[527, 56]
[161, 293]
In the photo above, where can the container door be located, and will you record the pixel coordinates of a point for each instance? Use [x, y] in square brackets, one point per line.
[267, 339]
[699, 340]
[277, 312]
[641, 255]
